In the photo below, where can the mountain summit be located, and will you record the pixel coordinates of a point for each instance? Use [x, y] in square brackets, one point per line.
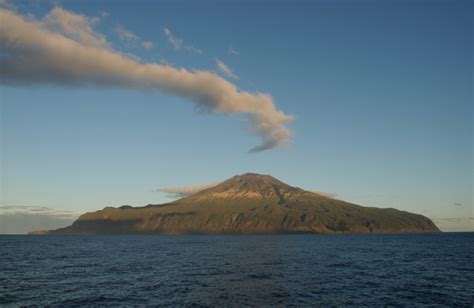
[249, 204]
[248, 185]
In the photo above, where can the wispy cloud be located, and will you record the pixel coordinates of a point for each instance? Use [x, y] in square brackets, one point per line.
[7, 4]
[227, 71]
[163, 61]
[125, 35]
[232, 51]
[147, 45]
[326, 194]
[185, 191]
[130, 39]
[23, 219]
[454, 223]
[173, 40]
[33, 53]
[177, 43]
[44, 210]
[194, 50]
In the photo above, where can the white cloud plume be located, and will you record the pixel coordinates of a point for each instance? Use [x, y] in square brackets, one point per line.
[186, 191]
[33, 53]
[174, 41]
[225, 69]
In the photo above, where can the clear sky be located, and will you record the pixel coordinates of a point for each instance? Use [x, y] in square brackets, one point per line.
[380, 91]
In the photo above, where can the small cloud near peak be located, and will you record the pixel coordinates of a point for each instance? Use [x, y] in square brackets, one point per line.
[185, 191]
[325, 194]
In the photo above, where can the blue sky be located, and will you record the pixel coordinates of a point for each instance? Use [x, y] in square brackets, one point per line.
[381, 92]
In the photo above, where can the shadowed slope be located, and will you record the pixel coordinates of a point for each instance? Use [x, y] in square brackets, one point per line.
[249, 204]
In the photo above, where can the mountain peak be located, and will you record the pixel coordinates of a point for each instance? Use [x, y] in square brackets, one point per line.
[249, 176]
[248, 185]
[255, 181]
[254, 175]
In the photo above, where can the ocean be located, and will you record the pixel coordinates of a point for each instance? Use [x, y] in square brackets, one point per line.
[195, 270]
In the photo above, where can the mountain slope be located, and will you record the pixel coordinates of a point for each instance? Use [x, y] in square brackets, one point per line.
[249, 204]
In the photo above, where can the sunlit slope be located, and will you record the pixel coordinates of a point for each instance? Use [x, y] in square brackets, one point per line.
[249, 204]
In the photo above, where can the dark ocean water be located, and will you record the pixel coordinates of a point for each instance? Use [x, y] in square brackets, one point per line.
[337, 270]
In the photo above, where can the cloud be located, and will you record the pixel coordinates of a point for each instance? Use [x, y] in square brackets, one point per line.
[125, 35]
[44, 210]
[325, 194]
[232, 51]
[23, 223]
[455, 224]
[74, 26]
[177, 43]
[23, 219]
[194, 49]
[225, 69]
[34, 54]
[173, 40]
[164, 62]
[185, 191]
[131, 39]
[7, 5]
[147, 45]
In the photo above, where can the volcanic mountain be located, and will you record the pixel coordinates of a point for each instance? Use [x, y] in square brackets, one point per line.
[249, 204]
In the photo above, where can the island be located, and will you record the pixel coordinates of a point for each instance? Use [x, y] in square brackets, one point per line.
[248, 204]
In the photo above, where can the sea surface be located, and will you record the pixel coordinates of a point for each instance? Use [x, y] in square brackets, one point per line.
[293, 270]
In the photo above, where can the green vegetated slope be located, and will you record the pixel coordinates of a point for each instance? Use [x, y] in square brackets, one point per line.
[249, 204]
